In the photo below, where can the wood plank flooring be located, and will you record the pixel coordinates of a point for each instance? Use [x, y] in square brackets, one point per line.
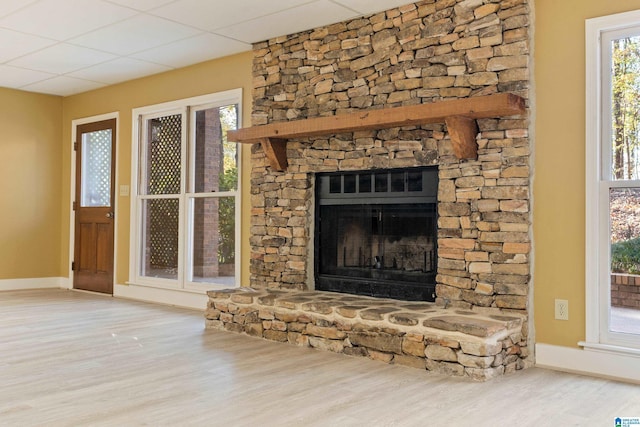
[76, 359]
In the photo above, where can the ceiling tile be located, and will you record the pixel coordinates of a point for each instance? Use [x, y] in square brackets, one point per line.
[16, 44]
[119, 70]
[290, 21]
[62, 58]
[143, 5]
[88, 43]
[209, 15]
[193, 50]
[63, 86]
[62, 19]
[10, 6]
[367, 7]
[17, 77]
[133, 35]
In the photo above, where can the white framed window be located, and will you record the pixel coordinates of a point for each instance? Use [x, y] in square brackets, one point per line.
[612, 180]
[185, 186]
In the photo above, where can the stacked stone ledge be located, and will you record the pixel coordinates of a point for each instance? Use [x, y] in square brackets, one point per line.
[418, 53]
[414, 334]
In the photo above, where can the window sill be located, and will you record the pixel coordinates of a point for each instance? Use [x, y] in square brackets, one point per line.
[609, 348]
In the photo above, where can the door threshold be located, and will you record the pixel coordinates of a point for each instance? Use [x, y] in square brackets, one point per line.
[84, 291]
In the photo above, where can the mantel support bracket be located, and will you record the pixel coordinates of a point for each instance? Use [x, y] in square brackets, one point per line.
[275, 149]
[463, 132]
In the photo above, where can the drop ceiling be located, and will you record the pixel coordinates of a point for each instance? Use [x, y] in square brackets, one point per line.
[64, 47]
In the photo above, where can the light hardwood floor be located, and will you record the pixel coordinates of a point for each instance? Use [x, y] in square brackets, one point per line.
[75, 359]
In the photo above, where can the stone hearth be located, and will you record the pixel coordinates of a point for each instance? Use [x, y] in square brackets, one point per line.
[420, 335]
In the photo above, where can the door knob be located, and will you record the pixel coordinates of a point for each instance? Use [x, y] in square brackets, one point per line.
[109, 215]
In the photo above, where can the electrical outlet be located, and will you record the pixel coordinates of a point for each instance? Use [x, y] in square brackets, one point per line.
[562, 309]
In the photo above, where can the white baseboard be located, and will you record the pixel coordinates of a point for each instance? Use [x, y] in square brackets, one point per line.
[197, 301]
[37, 283]
[617, 366]
[193, 300]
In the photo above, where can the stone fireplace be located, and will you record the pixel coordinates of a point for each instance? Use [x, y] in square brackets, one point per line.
[420, 53]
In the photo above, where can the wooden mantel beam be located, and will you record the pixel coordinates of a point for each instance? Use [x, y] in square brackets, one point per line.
[458, 114]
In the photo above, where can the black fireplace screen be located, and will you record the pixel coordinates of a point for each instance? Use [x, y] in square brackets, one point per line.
[376, 233]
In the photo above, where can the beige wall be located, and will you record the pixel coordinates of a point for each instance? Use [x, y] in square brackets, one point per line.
[559, 182]
[30, 170]
[213, 76]
[35, 211]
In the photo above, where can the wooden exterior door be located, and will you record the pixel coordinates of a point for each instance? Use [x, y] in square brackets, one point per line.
[94, 206]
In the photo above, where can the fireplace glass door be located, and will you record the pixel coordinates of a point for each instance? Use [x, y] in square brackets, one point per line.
[380, 241]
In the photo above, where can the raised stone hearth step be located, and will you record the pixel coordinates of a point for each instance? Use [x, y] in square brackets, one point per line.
[471, 325]
[375, 309]
[448, 341]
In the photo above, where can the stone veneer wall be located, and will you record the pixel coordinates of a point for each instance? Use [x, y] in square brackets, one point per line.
[414, 54]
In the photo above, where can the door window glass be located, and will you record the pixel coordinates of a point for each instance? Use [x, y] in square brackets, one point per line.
[96, 169]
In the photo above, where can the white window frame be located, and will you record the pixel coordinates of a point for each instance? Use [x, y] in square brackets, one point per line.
[187, 107]
[598, 183]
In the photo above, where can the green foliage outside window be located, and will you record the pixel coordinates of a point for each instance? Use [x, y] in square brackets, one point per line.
[228, 182]
[626, 108]
[227, 218]
[625, 159]
[625, 256]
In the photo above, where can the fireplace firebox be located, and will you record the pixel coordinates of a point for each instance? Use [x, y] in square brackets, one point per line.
[376, 233]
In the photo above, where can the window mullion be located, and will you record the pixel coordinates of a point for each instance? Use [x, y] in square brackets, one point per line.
[184, 180]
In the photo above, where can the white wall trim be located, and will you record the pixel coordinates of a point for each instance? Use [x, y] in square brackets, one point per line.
[196, 300]
[178, 298]
[592, 162]
[37, 283]
[600, 363]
